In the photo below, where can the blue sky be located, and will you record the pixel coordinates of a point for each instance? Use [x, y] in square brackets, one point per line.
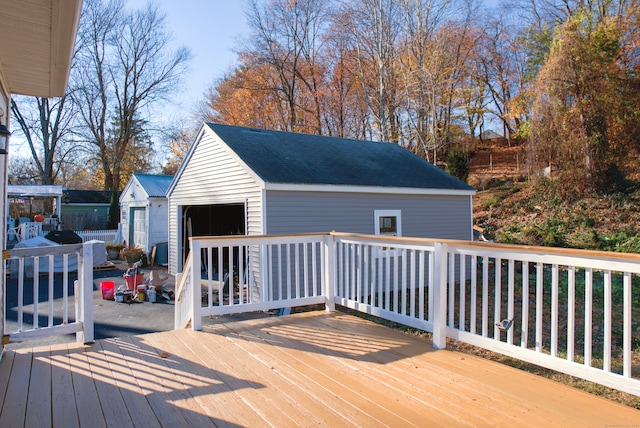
[210, 29]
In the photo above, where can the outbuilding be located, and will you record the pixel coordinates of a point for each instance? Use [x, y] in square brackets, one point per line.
[143, 212]
[248, 181]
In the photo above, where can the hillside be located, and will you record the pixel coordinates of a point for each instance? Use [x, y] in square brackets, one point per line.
[512, 209]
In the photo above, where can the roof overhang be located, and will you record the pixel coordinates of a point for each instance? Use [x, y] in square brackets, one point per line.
[365, 189]
[38, 39]
[25, 191]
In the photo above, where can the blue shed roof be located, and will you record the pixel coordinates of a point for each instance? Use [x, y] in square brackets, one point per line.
[285, 157]
[154, 185]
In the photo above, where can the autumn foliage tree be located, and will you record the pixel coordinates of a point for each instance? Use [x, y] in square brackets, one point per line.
[561, 78]
[582, 113]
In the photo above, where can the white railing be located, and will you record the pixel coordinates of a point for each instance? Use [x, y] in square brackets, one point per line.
[108, 236]
[184, 296]
[242, 274]
[567, 310]
[48, 292]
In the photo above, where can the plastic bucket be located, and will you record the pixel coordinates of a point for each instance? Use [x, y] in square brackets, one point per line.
[151, 294]
[133, 281]
[108, 290]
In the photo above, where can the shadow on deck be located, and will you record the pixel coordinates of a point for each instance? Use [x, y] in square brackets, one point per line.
[312, 368]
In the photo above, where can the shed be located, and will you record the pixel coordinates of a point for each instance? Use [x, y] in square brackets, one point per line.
[85, 209]
[143, 210]
[237, 180]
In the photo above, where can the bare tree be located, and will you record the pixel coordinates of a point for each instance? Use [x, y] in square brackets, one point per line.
[375, 30]
[46, 125]
[285, 36]
[123, 67]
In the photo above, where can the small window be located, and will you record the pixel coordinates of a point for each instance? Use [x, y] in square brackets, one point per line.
[388, 222]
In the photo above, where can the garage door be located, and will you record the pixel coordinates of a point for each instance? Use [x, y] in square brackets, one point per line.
[138, 221]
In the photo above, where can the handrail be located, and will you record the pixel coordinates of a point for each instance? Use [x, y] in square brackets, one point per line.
[180, 284]
[183, 314]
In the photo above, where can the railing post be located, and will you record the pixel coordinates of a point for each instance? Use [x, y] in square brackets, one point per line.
[85, 290]
[440, 296]
[196, 285]
[329, 272]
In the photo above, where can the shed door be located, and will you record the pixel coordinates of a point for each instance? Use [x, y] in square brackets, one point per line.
[139, 230]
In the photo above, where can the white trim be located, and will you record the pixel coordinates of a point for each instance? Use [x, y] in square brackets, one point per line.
[263, 211]
[471, 217]
[387, 213]
[365, 189]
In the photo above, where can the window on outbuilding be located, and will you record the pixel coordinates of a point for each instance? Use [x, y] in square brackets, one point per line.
[388, 222]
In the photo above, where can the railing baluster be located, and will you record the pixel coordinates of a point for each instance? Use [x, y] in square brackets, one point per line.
[36, 292]
[51, 295]
[357, 273]
[627, 302]
[220, 251]
[421, 289]
[280, 274]
[539, 300]
[432, 261]
[65, 288]
[607, 322]
[452, 289]
[209, 253]
[412, 284]
[288, 267]
[387, 301]
[524, 338]
[305, 269]
[396, 280]
[474, 298]
[511, 298]
[497, 309]
[485, 297]
[571, 312]
[462, 322]
[296, 291]
[231, 276]
[242, 280]
[554, 310]
[403, 304]
[588, 316]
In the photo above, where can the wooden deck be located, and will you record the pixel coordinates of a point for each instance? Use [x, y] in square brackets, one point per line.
[301, 370]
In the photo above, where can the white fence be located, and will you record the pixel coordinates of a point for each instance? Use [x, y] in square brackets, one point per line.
[108, 236]
[48, 292]
[571, 311]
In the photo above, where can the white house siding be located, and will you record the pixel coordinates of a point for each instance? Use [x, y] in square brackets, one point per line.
[212, 176]
[425, 216]
[159, 217]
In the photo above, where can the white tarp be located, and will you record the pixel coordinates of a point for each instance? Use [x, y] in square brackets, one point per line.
[99, 256]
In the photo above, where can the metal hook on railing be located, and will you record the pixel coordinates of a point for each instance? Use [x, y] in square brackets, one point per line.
[505, 324]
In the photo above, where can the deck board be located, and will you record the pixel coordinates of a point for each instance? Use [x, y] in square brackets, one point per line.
[305, 369]
[17, 392]
[39, 404]
[63, 404]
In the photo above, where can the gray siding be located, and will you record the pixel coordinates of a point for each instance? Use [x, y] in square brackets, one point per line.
[437, 216]
[212, 176]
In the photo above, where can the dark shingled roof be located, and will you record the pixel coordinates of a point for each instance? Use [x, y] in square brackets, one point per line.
[87, 196]
[285, 157]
